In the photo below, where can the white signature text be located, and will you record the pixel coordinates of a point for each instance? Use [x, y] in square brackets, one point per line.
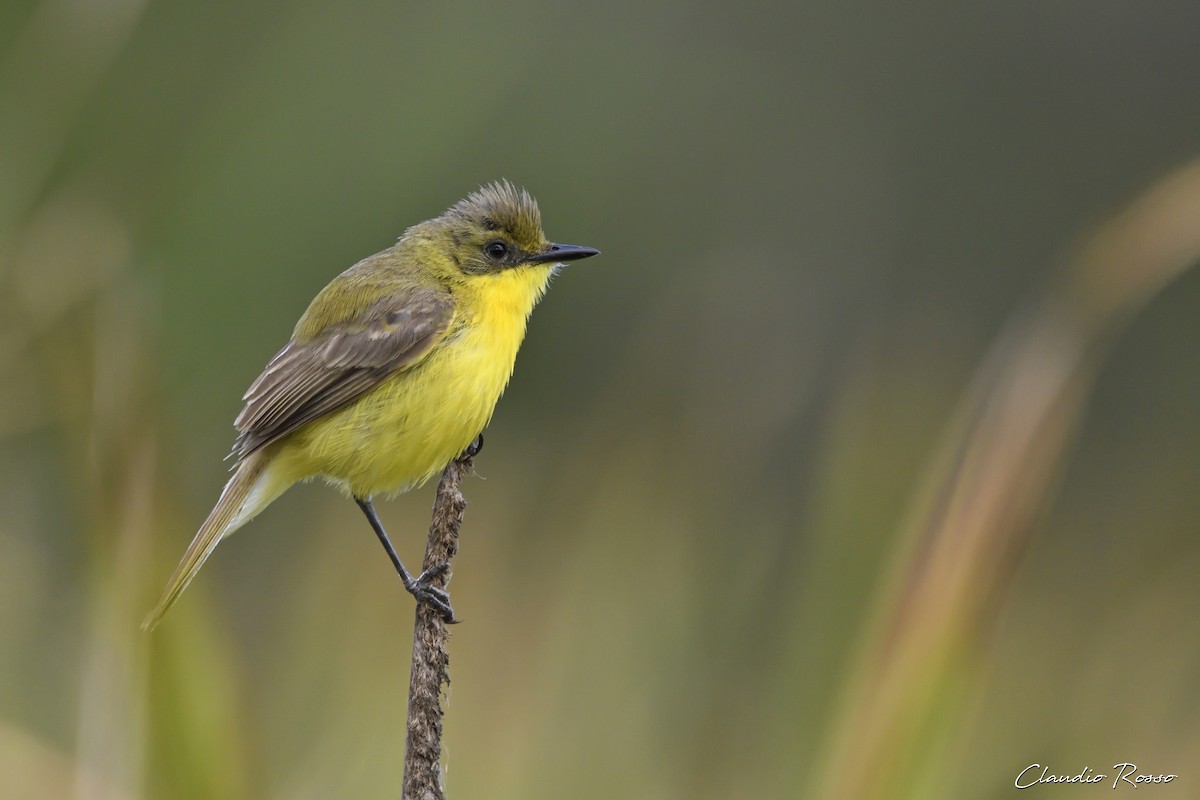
[1125, 772]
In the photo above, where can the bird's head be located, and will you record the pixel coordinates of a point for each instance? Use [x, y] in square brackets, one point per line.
[495, 229]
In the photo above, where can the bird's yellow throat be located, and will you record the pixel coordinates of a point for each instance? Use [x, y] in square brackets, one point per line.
[405, 430]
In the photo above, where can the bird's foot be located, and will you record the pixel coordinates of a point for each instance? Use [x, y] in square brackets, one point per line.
[472, 449]
[435, 597]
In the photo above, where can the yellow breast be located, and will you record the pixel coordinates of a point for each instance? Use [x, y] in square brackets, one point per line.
[407, 429]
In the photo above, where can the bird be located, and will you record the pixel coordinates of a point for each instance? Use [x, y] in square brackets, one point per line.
[393, 371]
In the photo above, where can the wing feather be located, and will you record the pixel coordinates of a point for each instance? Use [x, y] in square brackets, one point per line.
[310, 379]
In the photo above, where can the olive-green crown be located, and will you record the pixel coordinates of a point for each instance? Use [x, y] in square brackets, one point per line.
[501, 206]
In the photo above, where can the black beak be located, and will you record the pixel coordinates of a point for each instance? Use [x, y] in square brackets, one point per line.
[562, 252]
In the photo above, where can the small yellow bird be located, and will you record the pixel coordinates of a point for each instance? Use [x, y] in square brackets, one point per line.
[392, 372]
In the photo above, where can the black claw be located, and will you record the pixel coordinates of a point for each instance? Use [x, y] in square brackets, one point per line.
[435, 597]
[473, 448]
[433, 572]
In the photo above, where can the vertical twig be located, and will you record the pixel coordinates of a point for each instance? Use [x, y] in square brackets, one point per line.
[430, 661]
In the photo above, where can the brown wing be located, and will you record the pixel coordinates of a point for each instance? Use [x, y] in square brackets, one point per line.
[307, 380]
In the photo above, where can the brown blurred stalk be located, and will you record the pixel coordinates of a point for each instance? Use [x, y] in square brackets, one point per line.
[919, 664]
[430, 660]
[75, 358]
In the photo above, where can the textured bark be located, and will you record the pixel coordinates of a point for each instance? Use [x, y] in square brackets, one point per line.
[430, 661]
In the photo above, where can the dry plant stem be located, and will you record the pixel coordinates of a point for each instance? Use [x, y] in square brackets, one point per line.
[430, 661]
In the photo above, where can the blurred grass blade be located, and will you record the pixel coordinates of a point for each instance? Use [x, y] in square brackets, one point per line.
[919, 664]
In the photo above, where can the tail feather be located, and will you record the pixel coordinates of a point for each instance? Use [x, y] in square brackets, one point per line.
[246, 493]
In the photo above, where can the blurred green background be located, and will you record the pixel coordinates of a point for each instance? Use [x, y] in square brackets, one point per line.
[848, 470]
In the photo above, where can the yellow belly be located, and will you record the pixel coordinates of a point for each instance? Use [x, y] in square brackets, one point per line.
[406, 430]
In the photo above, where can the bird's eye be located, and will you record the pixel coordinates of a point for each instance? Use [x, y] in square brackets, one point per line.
[496, 250]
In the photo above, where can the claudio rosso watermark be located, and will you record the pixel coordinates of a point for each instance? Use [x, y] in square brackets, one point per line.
[1123, 774]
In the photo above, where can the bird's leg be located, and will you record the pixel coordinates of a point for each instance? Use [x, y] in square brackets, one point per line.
[420, 586]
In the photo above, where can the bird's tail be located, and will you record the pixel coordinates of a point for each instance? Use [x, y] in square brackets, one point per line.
[249, 491]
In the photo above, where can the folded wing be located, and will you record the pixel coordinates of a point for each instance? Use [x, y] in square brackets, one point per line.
[308, 380]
